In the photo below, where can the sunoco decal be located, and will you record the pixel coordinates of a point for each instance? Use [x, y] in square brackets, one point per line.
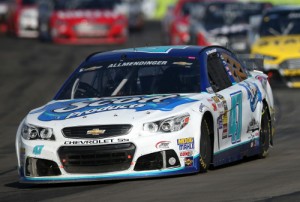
[77, 108]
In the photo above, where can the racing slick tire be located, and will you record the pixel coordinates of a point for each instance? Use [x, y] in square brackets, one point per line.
[205, 147]
[265, 132]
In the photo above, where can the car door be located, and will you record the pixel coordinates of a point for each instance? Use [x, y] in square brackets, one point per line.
[230, 98]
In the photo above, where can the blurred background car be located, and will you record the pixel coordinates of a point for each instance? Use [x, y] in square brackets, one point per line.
[278, 43]
[136, 17]
[149, 8]
[225, 23]
[175, 23]
[83, 22]
[22, 18]
[3, 15]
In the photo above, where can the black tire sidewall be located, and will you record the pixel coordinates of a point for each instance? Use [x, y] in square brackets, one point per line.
[265, 131]
[205, 149]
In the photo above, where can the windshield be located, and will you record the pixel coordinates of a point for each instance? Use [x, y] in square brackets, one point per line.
[85, 4]
[226, 14]
[187, 7]
[134, 77]
[29, 2]
[281, 23]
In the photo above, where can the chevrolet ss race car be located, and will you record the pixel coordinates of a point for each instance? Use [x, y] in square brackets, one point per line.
[148, 112]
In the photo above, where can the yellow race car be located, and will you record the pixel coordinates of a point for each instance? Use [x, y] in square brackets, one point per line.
[279, 45]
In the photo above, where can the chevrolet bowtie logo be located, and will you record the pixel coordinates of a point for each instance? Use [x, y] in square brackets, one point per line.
[95, 131]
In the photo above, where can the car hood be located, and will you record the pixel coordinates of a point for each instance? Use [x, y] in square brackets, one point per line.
[115, 110]
[278, 45]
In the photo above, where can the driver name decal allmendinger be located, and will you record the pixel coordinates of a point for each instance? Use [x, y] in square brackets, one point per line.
[82, 107]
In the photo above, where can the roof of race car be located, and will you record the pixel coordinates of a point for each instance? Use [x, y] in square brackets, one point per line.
[147, 52]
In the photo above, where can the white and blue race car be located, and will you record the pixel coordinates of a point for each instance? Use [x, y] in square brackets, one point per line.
[148, 112]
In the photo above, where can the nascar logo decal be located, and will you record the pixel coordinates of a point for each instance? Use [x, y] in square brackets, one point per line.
[77, 108]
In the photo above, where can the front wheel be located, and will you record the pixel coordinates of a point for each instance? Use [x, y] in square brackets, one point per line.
[205, 147]
[265, 133]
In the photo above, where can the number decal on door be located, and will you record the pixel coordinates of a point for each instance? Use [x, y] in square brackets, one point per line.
[235, 119]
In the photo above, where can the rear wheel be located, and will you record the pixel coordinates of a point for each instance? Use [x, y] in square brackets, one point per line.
[205, 147]
[265, 133]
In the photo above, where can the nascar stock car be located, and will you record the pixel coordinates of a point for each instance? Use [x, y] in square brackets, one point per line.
[22, 18]
[225, 23]
[175, 23]
[83, 22]
[206, 22]
[148, 112]
[3, 15]
[278, 42]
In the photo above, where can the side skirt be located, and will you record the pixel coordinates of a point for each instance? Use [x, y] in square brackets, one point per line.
[237, 152]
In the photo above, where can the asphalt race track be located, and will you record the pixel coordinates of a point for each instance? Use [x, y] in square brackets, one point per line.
[30, 74]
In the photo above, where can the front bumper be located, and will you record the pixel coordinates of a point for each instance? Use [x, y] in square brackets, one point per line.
[47, 162]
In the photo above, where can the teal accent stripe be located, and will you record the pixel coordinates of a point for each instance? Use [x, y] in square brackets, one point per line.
[236, 145]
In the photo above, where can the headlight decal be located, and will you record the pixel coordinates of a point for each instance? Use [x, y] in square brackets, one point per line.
[171, 124]
[30, 132]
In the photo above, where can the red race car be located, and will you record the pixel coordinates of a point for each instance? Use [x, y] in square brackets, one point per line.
[22, 18]
[175, 24]
[83, 22]
[3, 15]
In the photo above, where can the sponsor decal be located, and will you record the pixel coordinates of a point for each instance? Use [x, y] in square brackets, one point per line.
[188, 161]
[211, 51]
[254, 94]
[222, 120]
[202, 162]
[213, 104]
[138, 63]
[201, 107]
[186, 143]
[216, 99]
[162, 145]
[80, 108]
[95, 142]
[253, 126]
[37, 150]
[186, 153]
